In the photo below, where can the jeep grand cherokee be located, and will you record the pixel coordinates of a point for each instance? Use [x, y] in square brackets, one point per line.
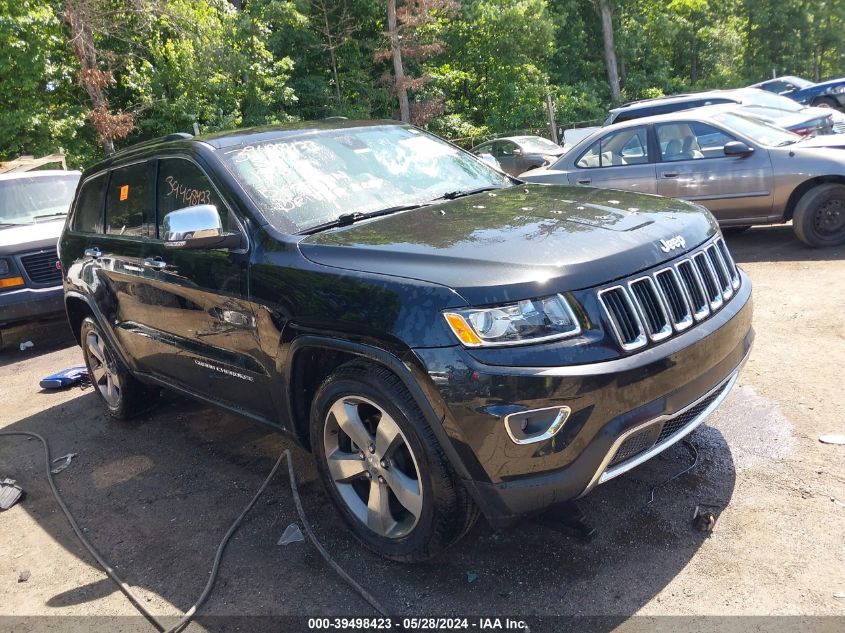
[445, 339]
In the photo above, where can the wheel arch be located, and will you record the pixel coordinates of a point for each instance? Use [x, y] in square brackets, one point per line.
[314, 357]
[804, 187]
[77, 309]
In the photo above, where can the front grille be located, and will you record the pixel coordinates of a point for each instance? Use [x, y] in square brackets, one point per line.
[623, 317]
[634, 445]
[41, 267]
[671, 298]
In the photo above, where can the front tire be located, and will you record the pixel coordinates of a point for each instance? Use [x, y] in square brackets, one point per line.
[824, 102]
[124, 396]
[383, 467]
[819, 218]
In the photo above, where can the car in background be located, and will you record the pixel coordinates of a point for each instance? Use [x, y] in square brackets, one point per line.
[33, 208]
[575, 135]
[745, 171]
[829, 94]
[772, 108]
[516, 154]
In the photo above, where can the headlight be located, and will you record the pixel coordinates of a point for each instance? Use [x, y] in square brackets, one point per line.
[837, 90]
[4, 267]
[528, 321]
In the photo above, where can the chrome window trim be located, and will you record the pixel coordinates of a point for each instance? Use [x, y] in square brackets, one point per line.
[666, 330]
[641, 340]
[604, 474]
[687, 321]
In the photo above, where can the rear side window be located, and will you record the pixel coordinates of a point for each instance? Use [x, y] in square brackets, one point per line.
[88, 217]
[182, 184]
[129, 209]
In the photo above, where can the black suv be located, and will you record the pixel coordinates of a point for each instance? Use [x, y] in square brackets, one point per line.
[445, 339]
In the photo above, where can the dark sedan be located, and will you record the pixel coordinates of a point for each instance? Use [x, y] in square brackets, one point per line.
[827, 93]
[518, 154]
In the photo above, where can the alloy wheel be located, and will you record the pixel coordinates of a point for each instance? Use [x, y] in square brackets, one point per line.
[373, 466]
[103, 370]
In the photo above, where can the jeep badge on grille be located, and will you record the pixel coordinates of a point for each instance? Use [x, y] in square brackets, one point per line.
[672, 244]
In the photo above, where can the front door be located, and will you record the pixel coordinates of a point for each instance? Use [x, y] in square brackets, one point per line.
[198, 323]
[618, 160]
[693, 167]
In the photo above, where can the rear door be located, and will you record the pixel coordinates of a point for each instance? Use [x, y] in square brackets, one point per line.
[693, 167]
[618, 160]
[198, 324]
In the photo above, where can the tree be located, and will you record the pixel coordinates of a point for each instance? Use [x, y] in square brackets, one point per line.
[411, 34]
[609, 49]
[335, 26]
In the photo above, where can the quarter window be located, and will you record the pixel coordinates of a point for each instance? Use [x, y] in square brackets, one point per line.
[182, 184]
[690, 140]
[128, 204]
[89, 206]
[624, 147]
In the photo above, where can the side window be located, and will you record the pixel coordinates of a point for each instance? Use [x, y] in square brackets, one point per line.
[484, 149]
[88, 217]
[129, 209]
[690, 141]
[182, 184]
[624, 147]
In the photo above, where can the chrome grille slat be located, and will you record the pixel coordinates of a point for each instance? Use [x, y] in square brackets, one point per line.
[653, 306]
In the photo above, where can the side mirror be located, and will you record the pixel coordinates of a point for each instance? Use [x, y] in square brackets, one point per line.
[738, 148]
[517, 151]
[197, 227]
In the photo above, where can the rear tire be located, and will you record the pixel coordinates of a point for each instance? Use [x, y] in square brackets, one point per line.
[124, 396]
[819, 218]
[383, 467]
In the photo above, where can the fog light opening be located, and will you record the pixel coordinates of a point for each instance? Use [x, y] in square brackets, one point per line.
[535, 425]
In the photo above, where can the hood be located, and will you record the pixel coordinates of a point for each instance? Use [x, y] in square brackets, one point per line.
[520, 242]
[830, 83]
[834, 141]
[28, 237]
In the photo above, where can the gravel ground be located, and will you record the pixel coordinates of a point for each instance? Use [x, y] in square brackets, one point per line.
[156, 495]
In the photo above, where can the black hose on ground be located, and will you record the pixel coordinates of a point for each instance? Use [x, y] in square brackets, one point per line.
[191, 613]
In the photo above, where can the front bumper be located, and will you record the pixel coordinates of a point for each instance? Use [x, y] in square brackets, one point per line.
[28, 304]
[676, 382]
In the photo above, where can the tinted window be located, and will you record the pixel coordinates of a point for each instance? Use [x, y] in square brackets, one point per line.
[625, 147]
[89, 206]
[128, 204]
[182, 184]
[690, 140]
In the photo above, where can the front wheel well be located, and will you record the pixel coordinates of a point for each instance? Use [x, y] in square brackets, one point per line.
[803, 188]
[77, 310]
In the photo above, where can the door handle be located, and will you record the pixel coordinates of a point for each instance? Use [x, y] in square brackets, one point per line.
[93, 252]
[155, 262]
[584, 181]
[670, 174]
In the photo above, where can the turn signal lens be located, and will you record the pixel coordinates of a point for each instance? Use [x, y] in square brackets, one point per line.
[462, 329]
[11, 282]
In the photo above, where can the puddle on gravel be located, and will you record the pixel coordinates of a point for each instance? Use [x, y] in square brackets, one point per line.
[753, 426]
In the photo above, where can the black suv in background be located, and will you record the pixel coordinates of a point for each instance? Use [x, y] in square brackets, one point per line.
[445, 339]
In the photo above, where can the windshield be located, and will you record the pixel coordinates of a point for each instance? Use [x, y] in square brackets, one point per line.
[33, 199]
[771, 100]
[299, 182]
[537, 144]
[757, 130]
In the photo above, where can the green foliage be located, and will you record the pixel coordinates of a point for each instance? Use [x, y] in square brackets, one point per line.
[230, 64]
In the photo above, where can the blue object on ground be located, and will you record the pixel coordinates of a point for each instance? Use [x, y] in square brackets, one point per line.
[65, 378]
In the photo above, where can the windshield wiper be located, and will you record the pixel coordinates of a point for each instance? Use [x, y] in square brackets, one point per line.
[452, 195]
[786, 142]
[49, 215]
[345, 219]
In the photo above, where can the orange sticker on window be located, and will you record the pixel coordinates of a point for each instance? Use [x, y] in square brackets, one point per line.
[124, 192]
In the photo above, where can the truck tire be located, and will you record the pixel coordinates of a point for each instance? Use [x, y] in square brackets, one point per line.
[819, 218]
[383, 467]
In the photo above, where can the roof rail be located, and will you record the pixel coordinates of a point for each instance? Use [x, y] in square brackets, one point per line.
[175, 136]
